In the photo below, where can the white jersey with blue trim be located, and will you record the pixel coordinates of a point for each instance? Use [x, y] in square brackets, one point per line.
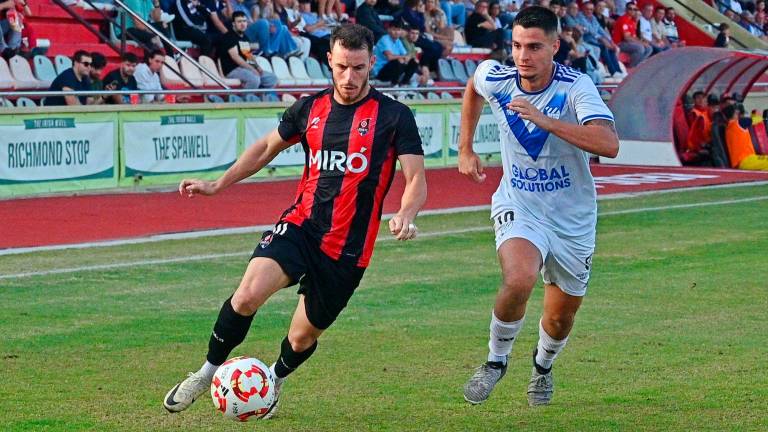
[546, 179]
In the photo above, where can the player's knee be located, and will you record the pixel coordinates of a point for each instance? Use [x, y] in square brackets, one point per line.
[518, 286]
[300, 340]
[558, 323]
[244, 302]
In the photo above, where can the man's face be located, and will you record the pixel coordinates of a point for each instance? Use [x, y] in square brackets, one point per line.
[700, 101]
[573, 9]
[369, 2]
[394, 32]
[555, 8]
[350, 70]
[533, 50]
[481, 8]
[671, 14]
[96, 73]
[413, 35]
[633, 11]
[127, 68]
[588, 9]
[156, 63]
[240, 24]
[307, 7]
[659, 14]
[83, 67]
[648, 11]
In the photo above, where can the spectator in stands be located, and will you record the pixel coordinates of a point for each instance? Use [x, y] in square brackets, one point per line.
[388, 7]
[598, 40]
[11, 23]
[192, 24]
[413, 15]
[747, 22]
[567, 50]
[760, 23]
[437, 27]
[73, 79]
[235, 56]
[122, 79]
[149, 11]
[645, 30]
[741, 152]
[625, 36]
[393, 63]
[272, 35]
[367, 16]
[603, 15]
[316, 30]
[422, 75]
[723, 39]
[98, 63]
[290, 16]
[481, 29]
[455, 13]
[148, 75]
[671, 28]
[585, 60]
[571, 18]
[28, 39]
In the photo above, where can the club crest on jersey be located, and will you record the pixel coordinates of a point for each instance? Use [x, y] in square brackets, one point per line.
[313, 124]
[266, 239]
[362, 128]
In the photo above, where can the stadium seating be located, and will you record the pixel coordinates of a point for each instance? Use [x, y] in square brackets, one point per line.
[168, 77]
[25, 102]
[471, 66]
[233, 98]
[433, 96]
[44, 69]
[214, 98]
[192, 73]
[271, 97]
[299, 72]
[22, 73]
[445, 71]
[287, 97]
[280, 68]
[210, 65]
[62, 63]
[458, 71]
[5, 103]
[315, 72]
[250, 97]
[6, 79]
[326, 70]
[762, 138]
[263, 63]
[446, 95]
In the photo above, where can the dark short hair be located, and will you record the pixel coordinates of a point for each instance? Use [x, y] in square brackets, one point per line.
[729, 111]
[353, 37]
[152, 53]
[669, 9]
[79, 54]
[713, 100]
[130, 57]
[698, 93]
[724, 27]
[537, 17]
[98, 61]
[238, 14]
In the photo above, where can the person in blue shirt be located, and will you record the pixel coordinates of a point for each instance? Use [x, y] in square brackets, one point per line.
[73, 79]
[393, 63]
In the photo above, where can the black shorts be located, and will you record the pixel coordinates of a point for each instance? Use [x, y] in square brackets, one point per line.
[327, 284]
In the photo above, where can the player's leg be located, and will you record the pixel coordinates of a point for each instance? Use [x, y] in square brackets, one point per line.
[296, 348]
[556, 323]
[520, 262]
[262, 278]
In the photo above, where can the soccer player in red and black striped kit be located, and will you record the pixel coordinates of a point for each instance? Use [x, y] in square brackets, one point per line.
[352, 136]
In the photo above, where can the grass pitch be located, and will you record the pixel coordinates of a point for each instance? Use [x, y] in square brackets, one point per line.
[671, 335]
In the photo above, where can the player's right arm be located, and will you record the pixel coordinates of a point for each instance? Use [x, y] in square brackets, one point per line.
[250, 162]
[471, 107]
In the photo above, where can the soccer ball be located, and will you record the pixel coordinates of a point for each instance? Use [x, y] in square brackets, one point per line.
[243, 388]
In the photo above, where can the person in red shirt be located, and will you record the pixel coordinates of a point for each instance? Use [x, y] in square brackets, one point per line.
[625, 36]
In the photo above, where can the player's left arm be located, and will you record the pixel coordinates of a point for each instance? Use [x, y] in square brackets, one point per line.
[596, 136]
[415, 194]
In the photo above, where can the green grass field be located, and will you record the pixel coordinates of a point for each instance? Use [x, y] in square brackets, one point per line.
[671, 336]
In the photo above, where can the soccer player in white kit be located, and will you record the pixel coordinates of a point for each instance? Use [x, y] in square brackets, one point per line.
[544, 212]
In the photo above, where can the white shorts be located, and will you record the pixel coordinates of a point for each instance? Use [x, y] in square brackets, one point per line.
[566, 263]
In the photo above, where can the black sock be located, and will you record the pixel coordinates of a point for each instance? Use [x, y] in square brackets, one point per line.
[228, 332]
[290, 360]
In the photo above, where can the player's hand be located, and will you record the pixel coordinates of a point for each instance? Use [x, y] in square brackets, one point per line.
[527, 111]
[471, 166]
[192, 187]
[402, 227]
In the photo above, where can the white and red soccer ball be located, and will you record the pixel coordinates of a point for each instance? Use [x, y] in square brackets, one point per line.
[243, 389]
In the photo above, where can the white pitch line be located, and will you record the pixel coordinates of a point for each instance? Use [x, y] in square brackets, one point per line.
[384, 239]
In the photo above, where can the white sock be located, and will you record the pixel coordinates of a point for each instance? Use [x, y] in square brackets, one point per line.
[548, 348]
[502, 338]
[208, 370]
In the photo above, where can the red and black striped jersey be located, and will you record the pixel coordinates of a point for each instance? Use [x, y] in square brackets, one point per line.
[351, 152]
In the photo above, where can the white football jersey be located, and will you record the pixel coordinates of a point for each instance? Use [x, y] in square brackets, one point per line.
[546, 179]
